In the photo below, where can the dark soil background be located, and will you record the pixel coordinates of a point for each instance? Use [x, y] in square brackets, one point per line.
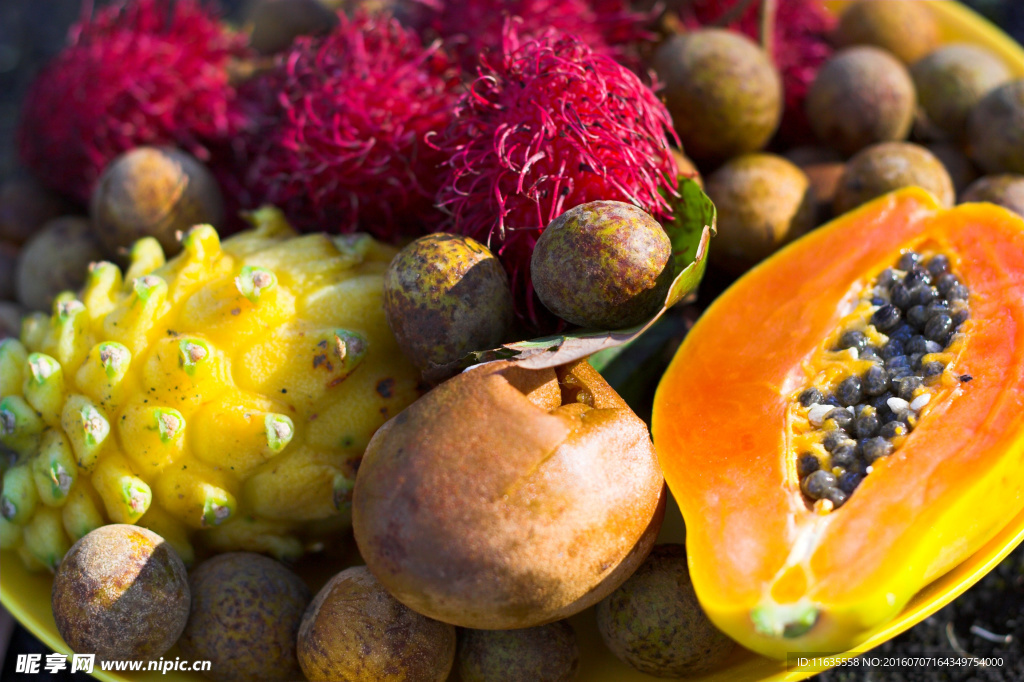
[988, 621]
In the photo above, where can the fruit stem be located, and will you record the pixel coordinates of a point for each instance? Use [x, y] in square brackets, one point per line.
[769, 8]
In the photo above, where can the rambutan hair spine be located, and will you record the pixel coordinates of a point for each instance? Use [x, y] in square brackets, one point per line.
[547, 125]
[139, 72]
[341, 118]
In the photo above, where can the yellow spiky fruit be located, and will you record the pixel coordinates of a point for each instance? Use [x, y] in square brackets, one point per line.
[222, 398]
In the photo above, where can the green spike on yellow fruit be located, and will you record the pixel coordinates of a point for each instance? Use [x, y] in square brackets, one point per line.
[201, 243]
[148, 286]
[114, 359]
[45, 538]
[80, 513]
[44, 387]
[54, 469]
[253, 281]
[102, 288]
[280, 430]
[269, 221]
[146, 256]
[193, 495]
[218, 506]
[102, 374]
[20, 426]
[169, 423]
[350, 347]
[86, 427]
[191, 354]
[68, 328]
[19, 498]
[125, 496]
[13, 357]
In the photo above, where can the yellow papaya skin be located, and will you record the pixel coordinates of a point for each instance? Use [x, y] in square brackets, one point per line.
[770, 572]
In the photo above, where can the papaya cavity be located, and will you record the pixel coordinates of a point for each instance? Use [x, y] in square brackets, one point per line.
[871, 380]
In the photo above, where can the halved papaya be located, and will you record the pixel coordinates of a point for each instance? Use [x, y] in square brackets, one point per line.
[776, 569]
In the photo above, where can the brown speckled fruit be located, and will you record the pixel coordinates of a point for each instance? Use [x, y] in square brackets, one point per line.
[1005, 190]
[954, 78]
[655, 623]
[906, 28]
[153, 192]
[55, 260]
[121, 593]
[276, 23]
[547, 653]
[886, 167]
[603, 265]
[763, 201]
[995, 129]
[723, 92]
[861, 96]
[355, 631]
[446, 295]
[246, 610]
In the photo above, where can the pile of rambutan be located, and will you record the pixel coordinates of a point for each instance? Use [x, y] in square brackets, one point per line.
[146, 72]
[799, 43]
[473, 28]
[338, 142]
[549, 125]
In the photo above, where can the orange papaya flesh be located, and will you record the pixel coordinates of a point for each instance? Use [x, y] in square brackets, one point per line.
[770, 570]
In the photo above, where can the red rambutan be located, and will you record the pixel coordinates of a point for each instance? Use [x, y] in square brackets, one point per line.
[339, 145]
[145, 72]
[800, 45]
[472, 28]
[551, 125]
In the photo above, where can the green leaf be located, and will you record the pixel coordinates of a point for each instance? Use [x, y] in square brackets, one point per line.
[690, 233]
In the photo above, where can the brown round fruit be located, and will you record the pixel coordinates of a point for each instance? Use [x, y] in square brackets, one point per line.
[355, 631]
[908, 30]
[153, 192]
[952, 80]
[655, 623]
[508, 498]
[444, 296]
[723, 92]
[547, 653]
[604, 265]
[995, 130]
[246, 610]
[1005, 190]
[886, 167]
[861, 96]
[55, 260]
[763, 202]
[276, 23]
[121, 593]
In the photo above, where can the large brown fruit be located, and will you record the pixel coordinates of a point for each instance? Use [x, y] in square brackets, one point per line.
[886, 167]
[763, 202]
[723, 92]
[907, 28]
[246, 610]
[55, 260]
[995, 129]
[1004, 190]
[24, 206]
[153, 192]
[861, 96]
[508, 498]
[355, 631]
[121, 593]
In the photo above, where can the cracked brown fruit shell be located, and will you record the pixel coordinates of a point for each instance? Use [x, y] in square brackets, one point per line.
[508, 498]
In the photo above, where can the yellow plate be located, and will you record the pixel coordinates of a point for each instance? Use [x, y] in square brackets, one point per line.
[27, 595]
